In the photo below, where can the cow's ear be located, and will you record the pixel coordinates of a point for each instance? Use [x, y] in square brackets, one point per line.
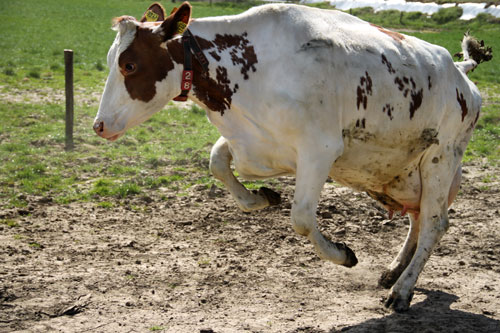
[154, 13]
[177, 22]
[123, 24]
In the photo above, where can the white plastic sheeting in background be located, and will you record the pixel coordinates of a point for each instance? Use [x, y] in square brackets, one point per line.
[470, 10]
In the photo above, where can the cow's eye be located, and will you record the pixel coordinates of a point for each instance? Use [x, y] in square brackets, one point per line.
[130, 68]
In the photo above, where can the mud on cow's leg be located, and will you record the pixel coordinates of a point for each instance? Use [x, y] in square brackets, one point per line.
[220, 166]
[433, 223]
[404, 256]
[313, 167]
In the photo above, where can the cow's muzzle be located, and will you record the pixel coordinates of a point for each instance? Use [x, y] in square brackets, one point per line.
[100, 130]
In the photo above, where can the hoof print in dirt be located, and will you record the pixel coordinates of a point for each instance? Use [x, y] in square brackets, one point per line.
[351, 259]
[274, 198]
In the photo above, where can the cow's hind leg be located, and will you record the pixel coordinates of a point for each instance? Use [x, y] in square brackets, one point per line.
[404, 256]
[433, 222]
[313, 167]
[220, 161]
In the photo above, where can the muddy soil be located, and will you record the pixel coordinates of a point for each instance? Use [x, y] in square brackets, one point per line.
[195, 263]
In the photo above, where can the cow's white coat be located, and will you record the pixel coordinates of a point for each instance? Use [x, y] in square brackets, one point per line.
[297, 114]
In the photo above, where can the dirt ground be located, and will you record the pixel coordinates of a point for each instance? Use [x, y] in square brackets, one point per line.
[196, 263]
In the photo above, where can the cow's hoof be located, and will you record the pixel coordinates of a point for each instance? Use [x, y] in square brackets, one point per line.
[274, 198]
[398, 303]
[388, 279]
[351, 259]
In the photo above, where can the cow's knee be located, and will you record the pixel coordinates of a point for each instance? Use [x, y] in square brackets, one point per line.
[302, 219]
[220, 159]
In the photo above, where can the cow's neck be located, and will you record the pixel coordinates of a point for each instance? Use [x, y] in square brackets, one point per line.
[232, 60]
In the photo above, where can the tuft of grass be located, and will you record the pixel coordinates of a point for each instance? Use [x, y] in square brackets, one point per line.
[105, 204]
[34, 73]
[156, 328]
[99, 66]
[9, 223]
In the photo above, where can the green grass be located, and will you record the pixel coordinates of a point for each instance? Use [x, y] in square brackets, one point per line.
[172, 148]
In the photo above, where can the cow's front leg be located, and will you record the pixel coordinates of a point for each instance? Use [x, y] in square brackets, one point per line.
[313, 168]
[220, 166]
[404, 256]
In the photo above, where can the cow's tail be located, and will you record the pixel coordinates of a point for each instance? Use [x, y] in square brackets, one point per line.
[474, 52]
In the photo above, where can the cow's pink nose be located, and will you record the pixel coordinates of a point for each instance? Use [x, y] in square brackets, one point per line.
[99, 128]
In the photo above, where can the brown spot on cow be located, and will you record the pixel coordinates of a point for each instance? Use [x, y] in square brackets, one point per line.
[388, 109]
[364, 89]
[416, 101]
[393, 34]
[399, 83]
[215, 55]
[408, 85]
[386, 62]
[143, 64]
[463, 104]
[475, 119]
[217, 93]
[429, 82]
[241, 52]
[361, 123]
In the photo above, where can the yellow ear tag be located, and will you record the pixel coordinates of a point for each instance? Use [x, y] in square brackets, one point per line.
[181, 26]
[151, 16]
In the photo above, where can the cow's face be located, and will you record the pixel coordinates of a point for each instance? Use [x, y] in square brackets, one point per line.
[142, 76]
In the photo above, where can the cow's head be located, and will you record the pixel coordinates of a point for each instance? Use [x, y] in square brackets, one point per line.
[142, 75]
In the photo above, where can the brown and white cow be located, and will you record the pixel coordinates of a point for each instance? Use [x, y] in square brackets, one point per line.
[313, 93]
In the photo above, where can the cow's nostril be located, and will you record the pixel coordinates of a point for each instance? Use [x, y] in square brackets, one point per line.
[99, 127]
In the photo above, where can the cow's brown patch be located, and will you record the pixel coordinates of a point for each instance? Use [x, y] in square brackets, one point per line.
[364, 89]
[241, 51]
[393, 34]
[217, 94]
[399, 83]
[215, 55]
[463, 104]
[416, 101]
[361, 123]
[152, 64]
[408, 86]
[386, 62]
[475, 119]
[388, 109]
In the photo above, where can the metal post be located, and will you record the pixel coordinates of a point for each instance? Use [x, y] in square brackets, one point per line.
[68, 76]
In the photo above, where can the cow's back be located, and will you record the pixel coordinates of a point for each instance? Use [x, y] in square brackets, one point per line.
[388, 96]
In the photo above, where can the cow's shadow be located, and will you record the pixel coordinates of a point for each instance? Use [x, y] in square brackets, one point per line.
[431, 315]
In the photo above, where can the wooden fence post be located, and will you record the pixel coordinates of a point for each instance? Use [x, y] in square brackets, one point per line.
[68, 76]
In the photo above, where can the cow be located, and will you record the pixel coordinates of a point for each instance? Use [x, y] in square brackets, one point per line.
[295, 90]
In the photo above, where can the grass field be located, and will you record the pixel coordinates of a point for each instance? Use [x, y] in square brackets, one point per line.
[172, 148]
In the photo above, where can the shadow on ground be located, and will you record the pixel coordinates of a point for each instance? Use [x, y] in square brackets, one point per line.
[432, 315]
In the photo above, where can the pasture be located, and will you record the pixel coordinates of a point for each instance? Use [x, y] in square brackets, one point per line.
[136, 236]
